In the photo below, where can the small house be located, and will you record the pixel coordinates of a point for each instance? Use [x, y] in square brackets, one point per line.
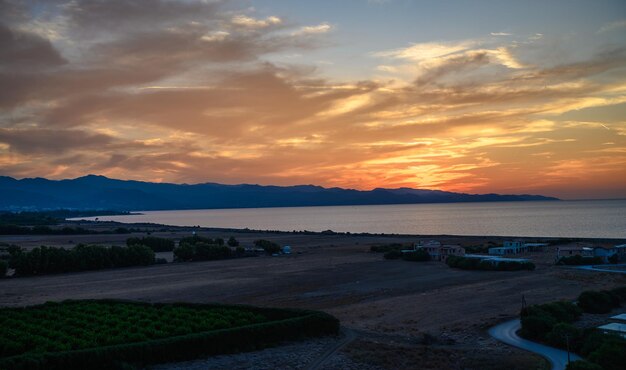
[574, 251]
[509, 247]
[440, 252]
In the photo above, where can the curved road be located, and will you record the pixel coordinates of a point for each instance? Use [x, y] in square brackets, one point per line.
[507, 333]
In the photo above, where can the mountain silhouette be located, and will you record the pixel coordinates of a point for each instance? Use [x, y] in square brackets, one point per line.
[100, 192]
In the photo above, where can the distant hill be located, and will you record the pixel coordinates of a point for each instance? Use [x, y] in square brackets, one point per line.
[99, 192]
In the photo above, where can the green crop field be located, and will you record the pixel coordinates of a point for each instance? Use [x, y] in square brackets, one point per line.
[73, 334]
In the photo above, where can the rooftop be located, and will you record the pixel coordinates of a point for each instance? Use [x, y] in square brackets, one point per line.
[617, 327]
[621, 317]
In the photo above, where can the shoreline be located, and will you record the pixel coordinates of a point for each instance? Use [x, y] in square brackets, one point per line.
[84, 223]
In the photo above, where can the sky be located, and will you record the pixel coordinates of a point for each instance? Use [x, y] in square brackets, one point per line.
[472, 96]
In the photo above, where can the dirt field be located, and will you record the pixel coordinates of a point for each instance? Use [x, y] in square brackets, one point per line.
[395, 307]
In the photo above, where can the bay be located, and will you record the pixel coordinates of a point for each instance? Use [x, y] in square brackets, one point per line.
[584, 219]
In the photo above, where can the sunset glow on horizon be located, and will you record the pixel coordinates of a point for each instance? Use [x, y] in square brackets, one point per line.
[479, 97]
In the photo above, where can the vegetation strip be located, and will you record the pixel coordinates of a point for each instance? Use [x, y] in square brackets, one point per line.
[551, 323]
[185, 331]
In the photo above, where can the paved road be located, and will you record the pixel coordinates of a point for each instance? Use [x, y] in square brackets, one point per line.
[506, 332]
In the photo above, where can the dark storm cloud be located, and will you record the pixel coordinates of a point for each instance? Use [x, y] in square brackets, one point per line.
[27, 141]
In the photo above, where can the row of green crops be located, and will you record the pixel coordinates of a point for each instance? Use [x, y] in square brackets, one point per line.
[97, 334]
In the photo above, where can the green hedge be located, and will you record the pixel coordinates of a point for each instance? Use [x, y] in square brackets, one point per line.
[539, 320]
[384, 248]
[155, 243]
[201, 252]
[4, 266]
[583, 365]
[51, 260]
[599, 301]
[285, 324]
[551, 323]
[466, 263]
[268, 246]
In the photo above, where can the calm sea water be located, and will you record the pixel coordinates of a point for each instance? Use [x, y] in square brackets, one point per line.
[591, 219]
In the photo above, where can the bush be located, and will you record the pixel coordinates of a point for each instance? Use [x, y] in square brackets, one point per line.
[620, 293]
[155, 243]
[562, 311]
[4, 267]
[386, 248]
[393, 255]
[196, 239]
[598, 302]
[232, 242]
[268, 246]
[583, 365]
[562, 332]
[50, 260]
[539, 320]
[417, 256]
[184, 252]
[610, 355]
[201, 252]
[466, 263]
[537, 326]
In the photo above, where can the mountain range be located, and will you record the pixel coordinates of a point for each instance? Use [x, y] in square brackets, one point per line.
[99, 192]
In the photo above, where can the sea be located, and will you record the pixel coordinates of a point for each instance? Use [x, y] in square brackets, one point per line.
[576, 219]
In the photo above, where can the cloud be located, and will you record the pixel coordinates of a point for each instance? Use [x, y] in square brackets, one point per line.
[21, 50]
[39, 140]
[185, 91]
[309, 30]
[500, 34]
[613, 26]
[245, 21]
[428, 50]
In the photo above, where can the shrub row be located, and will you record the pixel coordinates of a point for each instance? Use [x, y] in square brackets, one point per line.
[579, 260]
[4, 267]
[155, 243]
[51, 260]
[539, 320]
[551, 323]
[384, 248]
[416, 256]
[268, 246]
[601, 301]
[465, 263]
[200, 239]
[201, 252]
[286, 325]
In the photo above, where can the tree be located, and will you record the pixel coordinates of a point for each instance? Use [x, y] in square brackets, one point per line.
[268, 246]
[4, 266]
[232, 242]
[583, 365]
[184, 252]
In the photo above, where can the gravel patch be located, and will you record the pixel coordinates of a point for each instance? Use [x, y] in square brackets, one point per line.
[289, 356]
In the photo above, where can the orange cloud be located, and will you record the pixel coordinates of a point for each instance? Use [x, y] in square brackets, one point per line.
[185, 92]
